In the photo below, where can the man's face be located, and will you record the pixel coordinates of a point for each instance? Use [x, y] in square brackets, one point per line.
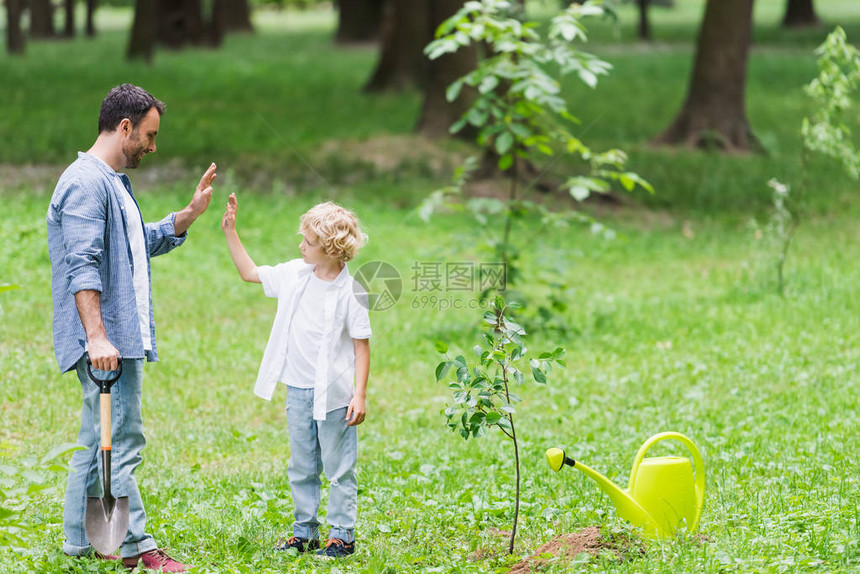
[141, 139]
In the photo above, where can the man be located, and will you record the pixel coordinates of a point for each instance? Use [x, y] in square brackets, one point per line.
[100, 250]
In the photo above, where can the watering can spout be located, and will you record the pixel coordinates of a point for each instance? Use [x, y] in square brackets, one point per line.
[626, 507]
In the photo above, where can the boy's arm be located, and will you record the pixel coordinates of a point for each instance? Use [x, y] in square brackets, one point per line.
[244, 263]
[356, 412]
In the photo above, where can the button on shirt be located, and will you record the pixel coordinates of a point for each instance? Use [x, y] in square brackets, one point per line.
[343, 318]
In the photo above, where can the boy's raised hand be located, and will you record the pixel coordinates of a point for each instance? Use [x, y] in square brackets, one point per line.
[228, 223]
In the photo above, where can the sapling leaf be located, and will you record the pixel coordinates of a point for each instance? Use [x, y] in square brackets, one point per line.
[488, 84]
[442, 369]
[453, 91]
[518, 376]
[504, 142]
[538, 375]
[441, 347]
[458, 125]
[579, 192]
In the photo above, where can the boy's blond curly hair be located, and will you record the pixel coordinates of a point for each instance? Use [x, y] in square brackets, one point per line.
[337, 230]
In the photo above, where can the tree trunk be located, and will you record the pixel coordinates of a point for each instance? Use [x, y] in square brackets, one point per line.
[144, 30]
[437, 114]
[644, 23]
[800, 14]
[69, 6]
[41, 19]
[91, 17]
[15, 41]
[359, 20]
[180, 22]
[218, 23]
[233, 15]
[405, 32]
[714, 114]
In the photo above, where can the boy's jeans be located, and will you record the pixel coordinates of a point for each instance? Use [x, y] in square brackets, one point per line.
[84, 475]
[315, 446]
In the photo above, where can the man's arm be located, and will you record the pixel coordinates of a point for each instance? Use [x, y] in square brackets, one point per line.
[199, 202]
[103, 354]
[357, 410]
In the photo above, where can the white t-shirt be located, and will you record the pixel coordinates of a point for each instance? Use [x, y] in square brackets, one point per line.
[138, 254]
[306, 336]
[343, 317]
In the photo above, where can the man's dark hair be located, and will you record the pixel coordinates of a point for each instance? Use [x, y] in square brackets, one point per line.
[126, 101]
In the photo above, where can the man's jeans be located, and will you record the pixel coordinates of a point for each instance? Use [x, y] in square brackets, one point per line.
[317, 446]
[84, 476]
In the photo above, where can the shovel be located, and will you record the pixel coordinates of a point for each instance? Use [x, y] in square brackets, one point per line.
[107, 517]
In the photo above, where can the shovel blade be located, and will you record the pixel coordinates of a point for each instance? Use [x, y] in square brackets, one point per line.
[107, 522]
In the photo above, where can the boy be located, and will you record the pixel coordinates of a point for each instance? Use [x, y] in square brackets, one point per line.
[319, 347]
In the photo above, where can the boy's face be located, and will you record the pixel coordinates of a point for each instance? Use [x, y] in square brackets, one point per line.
[312, 251]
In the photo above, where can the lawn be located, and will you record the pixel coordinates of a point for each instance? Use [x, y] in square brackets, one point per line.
[675, 325]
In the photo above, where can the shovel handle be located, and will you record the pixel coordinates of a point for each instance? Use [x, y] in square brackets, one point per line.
[104, 417]
[104, 401]
[104, 385]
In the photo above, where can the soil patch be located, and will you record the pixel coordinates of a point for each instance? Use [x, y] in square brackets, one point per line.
[563, 549]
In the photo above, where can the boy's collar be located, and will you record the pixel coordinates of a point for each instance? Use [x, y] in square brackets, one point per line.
[341, 278]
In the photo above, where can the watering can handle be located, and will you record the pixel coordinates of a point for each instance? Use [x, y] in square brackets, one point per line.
[697, 461]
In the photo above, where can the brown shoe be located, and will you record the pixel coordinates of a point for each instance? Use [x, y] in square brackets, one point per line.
[155, 560]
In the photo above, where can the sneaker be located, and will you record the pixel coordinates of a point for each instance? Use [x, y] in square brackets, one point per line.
[96, 555]
[336, 548]
[155, 560]
[300, 544]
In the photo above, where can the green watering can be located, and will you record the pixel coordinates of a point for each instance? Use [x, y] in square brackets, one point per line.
[663, 495]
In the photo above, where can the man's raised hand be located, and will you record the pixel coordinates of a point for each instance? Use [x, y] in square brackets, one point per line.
[203, 193]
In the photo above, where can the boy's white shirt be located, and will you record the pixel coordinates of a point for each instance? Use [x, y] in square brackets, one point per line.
[305, 336]
[344, 319]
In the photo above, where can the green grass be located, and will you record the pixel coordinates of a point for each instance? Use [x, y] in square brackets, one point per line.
[676, 326]
[766, 387]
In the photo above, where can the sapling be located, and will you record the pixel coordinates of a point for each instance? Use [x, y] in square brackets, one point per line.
[520, 114]
[781, 227]
[482, 390]
[824, 133]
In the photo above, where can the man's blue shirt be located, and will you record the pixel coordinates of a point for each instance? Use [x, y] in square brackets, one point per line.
[89, 249]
